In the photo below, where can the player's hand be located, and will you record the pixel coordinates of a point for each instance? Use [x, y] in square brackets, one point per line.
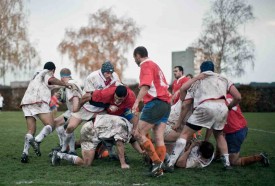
[125, 166]
[201, 76]
[113, 108]
[135, 107]
[176, 127]
[70, 86]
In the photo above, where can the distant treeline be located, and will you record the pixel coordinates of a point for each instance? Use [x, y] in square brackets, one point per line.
[256, 97]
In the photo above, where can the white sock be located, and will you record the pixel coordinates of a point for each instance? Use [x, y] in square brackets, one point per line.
[66, 141]
[225, 160]
[28, 137]
[43, 133]
[179, 147]
[61, 134]
[68, 157]
[72, 143]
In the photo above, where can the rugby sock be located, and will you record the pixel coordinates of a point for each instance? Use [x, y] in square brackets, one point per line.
[43, 133]
[68, 157]
[149, 148]
[161, 151]
[225, 159]
[28, 137]
[66, 141]
[179, 147]
[250, 159]
[61, 134]
[72, 143]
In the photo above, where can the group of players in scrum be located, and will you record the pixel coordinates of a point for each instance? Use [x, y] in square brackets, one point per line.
[109, 111]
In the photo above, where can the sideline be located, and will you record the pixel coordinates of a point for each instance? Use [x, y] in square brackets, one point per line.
[259, 130]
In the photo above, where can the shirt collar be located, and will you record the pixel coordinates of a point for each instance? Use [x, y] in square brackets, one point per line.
[145, 61]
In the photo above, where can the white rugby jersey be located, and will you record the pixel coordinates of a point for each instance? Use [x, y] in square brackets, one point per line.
[212, 87]
[195, 160]
[38, 90]
[72, 93]
[96, 81]
[110, 126]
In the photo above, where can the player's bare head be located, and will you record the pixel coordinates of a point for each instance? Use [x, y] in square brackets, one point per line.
[120, 94]
[121, 91]
[207, 66]
[65, 73]
[178, 71]
[139, 53]
[49, 66]
[206, 149]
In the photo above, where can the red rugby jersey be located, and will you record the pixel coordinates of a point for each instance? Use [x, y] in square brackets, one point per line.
[152, 76]
[107, 96]
[177, 83]
[235, 118]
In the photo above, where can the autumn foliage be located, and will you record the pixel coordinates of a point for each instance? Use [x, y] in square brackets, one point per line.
[105, 37]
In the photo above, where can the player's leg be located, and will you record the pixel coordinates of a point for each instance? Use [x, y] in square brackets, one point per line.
[59, 127]
[186, 134]
[48, 122]
[159, 140]
[72, 125]
[31, 127]
[222, 146]
[57, 156]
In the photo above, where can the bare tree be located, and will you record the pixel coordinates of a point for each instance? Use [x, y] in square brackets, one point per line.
[221, 40]
[16, 51]
[106, 37]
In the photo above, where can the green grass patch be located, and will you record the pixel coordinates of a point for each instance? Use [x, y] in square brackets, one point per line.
[103, 172]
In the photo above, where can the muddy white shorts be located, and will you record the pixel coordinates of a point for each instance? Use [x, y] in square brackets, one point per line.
[35, 109]
[88, 137]
[84, 114]
[210, 114]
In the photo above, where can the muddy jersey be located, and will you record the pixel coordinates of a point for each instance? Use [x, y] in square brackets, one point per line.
[212, 87]
[195, 160]
[39, 90]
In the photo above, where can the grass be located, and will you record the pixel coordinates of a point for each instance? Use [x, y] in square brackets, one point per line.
[102, 172]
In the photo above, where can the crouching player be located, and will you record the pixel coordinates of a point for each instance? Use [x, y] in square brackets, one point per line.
[105, 127]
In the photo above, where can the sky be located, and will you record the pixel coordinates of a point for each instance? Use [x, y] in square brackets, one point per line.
[167, 26]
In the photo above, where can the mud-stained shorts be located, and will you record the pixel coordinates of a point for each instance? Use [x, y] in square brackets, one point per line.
[84, 114]
[168, 129]
[88, 137]
[210, 114]
[35, 109]
[67, 114]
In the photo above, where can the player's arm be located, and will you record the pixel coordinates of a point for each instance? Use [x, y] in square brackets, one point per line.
[187, 85]
[55, 81]
[142, 92]
[76, 104]
[121, 153]
[185, 108]
[181, 162]
[236, 97]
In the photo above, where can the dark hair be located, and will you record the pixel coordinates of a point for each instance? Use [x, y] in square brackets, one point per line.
[190, 75]
[49, 66]
[206, 149]
[180, 68]
[121, 91]
[65, 71]
[142, 51]
[207, 66]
